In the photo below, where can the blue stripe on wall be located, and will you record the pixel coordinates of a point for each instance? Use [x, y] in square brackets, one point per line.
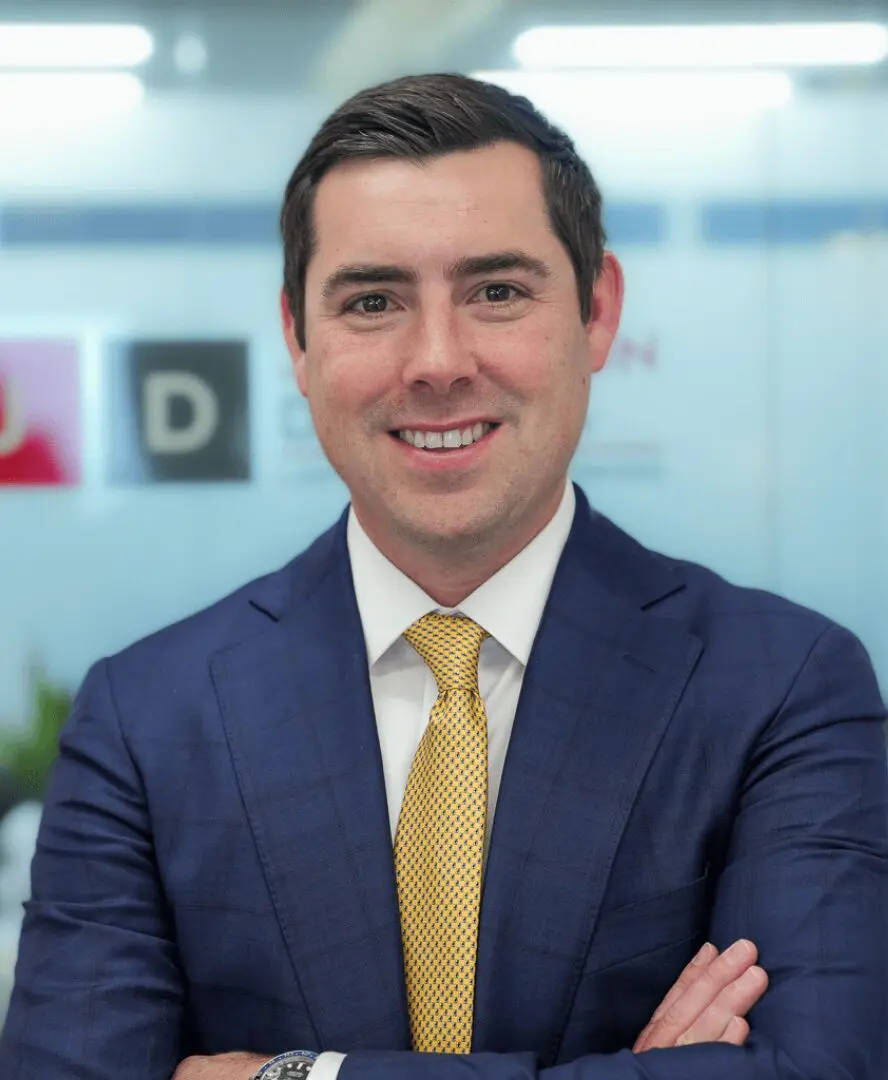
[790, 221]
[106, 226]
[777, 221]
[636, 223]
[230, 223]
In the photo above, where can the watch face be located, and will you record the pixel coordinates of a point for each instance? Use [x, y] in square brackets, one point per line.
[293, 1069]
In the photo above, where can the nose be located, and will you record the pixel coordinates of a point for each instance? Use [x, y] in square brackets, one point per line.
[438, 356]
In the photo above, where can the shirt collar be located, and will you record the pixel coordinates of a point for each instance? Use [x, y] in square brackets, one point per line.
[508, 605]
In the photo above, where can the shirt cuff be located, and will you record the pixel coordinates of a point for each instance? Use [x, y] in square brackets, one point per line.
[327, 1066]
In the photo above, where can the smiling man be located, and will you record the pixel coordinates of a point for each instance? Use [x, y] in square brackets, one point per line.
[437, 304]
[477, 785]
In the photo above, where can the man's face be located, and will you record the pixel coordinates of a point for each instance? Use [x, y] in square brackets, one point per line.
[440, 302]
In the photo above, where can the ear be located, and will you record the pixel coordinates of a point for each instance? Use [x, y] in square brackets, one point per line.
[607, 306]
[297, 353]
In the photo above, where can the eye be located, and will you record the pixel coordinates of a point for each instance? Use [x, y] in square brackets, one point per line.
[499, 294]
[368, 304]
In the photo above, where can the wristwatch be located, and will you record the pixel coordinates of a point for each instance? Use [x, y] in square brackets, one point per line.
[294, 1065]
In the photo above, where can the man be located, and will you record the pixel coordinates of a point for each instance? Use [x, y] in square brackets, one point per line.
[468, 786]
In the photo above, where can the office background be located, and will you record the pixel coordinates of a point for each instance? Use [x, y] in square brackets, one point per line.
[154, 452]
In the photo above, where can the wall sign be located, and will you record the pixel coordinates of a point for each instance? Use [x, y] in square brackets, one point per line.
[179, 412]
[40, 413]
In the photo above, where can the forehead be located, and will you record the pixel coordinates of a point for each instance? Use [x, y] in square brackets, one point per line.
[414, 210]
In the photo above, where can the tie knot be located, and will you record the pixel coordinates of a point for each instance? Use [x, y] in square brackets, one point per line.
[450, 645]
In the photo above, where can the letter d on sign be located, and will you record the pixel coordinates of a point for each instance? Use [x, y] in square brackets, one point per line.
[159, 390]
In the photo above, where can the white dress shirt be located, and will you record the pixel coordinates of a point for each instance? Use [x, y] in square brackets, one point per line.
[508, 606]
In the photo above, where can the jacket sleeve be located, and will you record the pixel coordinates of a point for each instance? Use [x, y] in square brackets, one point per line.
[98, 992]
[806, 877]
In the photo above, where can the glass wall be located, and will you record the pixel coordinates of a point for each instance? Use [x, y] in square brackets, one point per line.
[154, 452]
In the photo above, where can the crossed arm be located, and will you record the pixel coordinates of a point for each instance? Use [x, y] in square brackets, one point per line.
[708, 1003]
[806, 878]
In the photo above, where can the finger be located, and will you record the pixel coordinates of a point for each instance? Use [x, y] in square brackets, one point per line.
[736, 1033]
[743, 993]
[734, 1001]
[701, 993]
[692, 971]
[690, 974]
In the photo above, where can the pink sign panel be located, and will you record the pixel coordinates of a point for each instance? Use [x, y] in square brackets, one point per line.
[40, 432]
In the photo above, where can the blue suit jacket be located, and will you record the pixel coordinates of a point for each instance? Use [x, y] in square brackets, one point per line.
[690, 760]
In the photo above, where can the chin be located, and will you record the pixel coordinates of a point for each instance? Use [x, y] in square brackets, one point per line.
[444, 525]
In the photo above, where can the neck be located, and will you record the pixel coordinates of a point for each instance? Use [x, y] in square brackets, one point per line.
[448, 584]
[452, 570]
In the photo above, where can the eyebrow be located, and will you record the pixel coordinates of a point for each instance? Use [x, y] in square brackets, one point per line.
[466, 267]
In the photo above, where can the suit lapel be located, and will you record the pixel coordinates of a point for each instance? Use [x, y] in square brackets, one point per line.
[298, 714]
[602, 683]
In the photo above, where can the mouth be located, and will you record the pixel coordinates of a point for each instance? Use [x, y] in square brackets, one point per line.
[444, 442]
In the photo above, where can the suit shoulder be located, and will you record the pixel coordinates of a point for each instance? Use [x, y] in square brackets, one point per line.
[715, 603]
[233, 618]
[687, 590]
[764, 639]
[721, 594]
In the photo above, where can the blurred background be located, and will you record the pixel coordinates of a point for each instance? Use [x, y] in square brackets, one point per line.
[154, 452]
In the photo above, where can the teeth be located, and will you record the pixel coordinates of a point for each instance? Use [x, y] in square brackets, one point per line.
[446, 440]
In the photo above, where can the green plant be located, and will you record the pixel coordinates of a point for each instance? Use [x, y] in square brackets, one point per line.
[28, 754]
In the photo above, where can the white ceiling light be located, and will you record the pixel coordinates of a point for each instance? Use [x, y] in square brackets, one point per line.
[745, 45]
[61, 98]
[74, 46]
[657, 98]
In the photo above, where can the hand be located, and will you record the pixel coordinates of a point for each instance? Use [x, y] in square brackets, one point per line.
[238, 1066]
[709, 1001]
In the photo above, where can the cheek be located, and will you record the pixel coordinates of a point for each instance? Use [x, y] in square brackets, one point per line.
[543, 365]
[343, 382]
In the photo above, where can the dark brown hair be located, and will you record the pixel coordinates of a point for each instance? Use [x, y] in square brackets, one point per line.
[418, 117]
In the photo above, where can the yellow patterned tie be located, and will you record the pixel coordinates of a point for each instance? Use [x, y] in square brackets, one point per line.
[439, 843]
